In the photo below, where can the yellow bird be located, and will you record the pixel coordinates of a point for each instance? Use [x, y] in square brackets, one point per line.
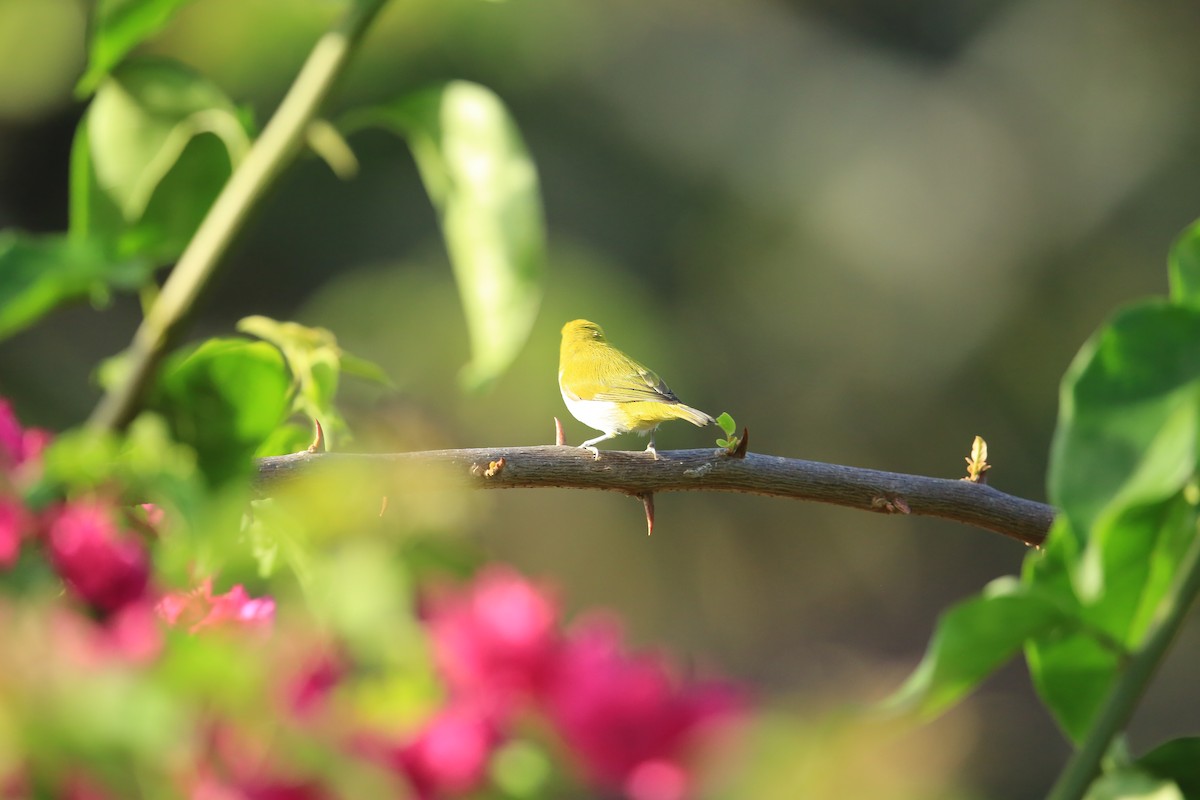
[609, 391]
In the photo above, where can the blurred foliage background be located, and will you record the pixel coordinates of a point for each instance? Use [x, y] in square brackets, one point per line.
[869, 230]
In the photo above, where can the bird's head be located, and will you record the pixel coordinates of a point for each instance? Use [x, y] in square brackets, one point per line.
[581, 331]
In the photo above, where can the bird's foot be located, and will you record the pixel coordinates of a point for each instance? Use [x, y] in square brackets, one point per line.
[650, 449]
[595, 450]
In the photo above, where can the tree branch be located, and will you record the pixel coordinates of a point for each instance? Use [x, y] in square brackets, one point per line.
[637, 474]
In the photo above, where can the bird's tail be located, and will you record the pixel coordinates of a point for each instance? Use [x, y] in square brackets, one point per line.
[692, 415]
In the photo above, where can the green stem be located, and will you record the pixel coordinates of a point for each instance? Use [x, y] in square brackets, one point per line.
[1081, 770]
[280, 142]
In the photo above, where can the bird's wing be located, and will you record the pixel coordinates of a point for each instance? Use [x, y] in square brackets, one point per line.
[636, 383]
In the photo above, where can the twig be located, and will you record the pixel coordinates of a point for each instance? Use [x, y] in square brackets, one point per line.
[637, 474]
[280, 142]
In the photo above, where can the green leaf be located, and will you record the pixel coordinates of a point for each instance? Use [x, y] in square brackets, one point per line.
[38, 273]
[484, 186]
[1070, 672]
[146, 465]
[1072, 676]
[972, 640]
[1122, 575]
[224, 399]
[727, 424]
[1177, 760]
[1183, 267]
[153, 151]
[1124, 453]
[288, 438]
[316, 361]
[1131, 563]
[1127, 784]
[118, 26]
[313, 357]
[367, 370]
[1129, 415]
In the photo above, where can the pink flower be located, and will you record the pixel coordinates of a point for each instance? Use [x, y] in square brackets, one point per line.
[238, 766]
[449, 756]
[629, 722]
[657, 780]
[135, 632]
[309, 691]
[132, 634]
[103, 566]
[14, 525]
[17, 444]
[497, 641]
[200, 608]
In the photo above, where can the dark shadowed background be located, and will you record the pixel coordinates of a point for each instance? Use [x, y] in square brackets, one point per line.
[869, 230]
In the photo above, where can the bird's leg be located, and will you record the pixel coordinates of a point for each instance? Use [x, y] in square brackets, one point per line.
[588, 445]
[650, 447]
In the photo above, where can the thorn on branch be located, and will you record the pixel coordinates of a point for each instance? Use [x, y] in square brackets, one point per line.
[560, 438]
[648, 504]
[740, 450]
[318, 444]
[892, 505]
[977, 465]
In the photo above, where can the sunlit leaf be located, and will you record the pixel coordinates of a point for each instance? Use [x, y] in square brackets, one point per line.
[39, 273]
[316, 362]
[290, 437]
[1138, 555]
[367, 370]
[1128, 784]
[974, 639]
[484, 185]
[154, 149]
[118, 26]
[1124, 452]
[224, 399]
[1177, 760]
[726, 423]
[1129, 415]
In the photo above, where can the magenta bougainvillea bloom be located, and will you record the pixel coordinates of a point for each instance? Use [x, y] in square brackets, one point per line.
[634, 729]
[496, 641]
[308, 692]
[631, 725]
[18, 447]
[104, 566]
[629, 722]
[131, 635]
[449, 755]
[239, 765]
[200, 608]
[17, 444]
[14, 526]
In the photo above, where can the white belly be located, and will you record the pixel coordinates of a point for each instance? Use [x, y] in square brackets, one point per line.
[600, 414]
